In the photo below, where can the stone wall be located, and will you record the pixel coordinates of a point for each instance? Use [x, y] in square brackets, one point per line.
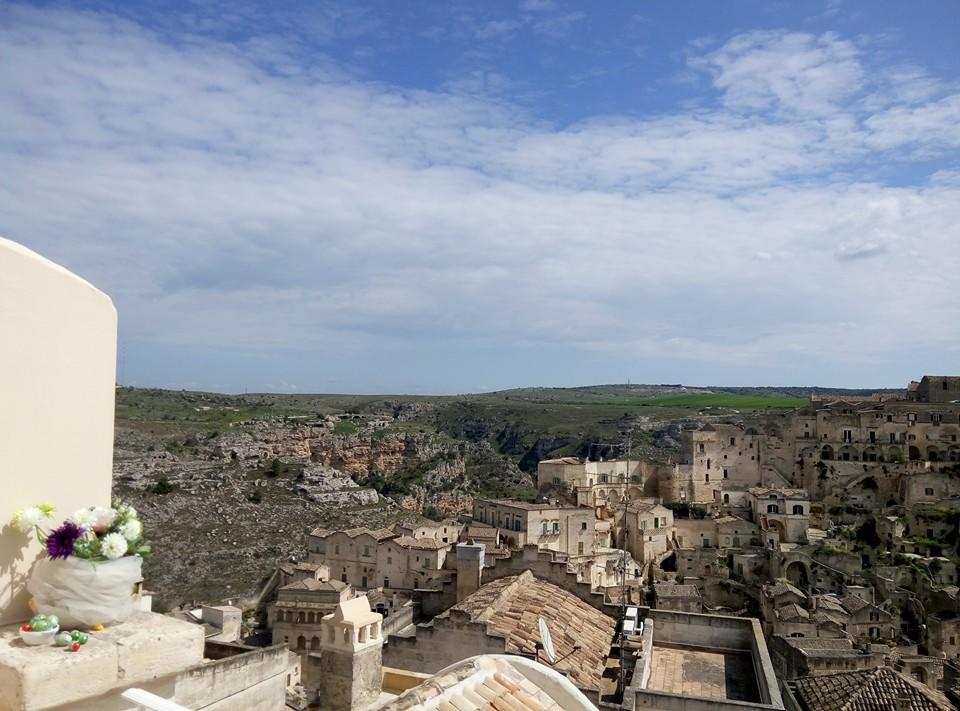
[440, 644]
[57, 376]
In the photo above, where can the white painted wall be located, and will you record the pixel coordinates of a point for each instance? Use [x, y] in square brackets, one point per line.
[58, 344]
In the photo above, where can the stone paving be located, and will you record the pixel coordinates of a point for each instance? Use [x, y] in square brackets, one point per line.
[703, 673]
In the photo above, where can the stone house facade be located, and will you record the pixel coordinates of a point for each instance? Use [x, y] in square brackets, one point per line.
[564, 529]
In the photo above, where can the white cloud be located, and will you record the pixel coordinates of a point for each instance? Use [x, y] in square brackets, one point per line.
[224, 204]
[788, 71]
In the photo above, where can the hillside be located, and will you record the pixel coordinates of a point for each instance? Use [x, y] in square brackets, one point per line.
[229, 485]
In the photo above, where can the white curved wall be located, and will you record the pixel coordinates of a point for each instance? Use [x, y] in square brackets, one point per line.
[58, 343]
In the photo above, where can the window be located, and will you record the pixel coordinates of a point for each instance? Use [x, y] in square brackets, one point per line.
[893, 438]
[426, 562]
[936, 418]
[556, 527]
[726, 498]
[726, 474]
[556, 480]
[643, 524]
[343, 577]
[928, 491]
[580, 548]
[848, 435]
[874, 616]
[516, 525]
[363, 581]
[706, 479]
[708, 464]
[386, 582]
[773, 508]
[336, 549]
[656, 522]
[366, 551]
[873, 436]
[798, 510]
[389, 559]
[583, 526]
[889, 418]
[701, 448]
[546, 527]
[733, 441]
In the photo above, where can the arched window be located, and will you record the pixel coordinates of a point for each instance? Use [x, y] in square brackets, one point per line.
[301, 642]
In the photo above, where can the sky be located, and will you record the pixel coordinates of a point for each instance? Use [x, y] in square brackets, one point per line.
[448, 197]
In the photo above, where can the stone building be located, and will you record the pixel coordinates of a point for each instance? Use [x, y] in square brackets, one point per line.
[682, 598]
[938, 389]
[296, 617]
[785, 511]
[565, 529]
[649, 530]
[385, 558]
[943, 635]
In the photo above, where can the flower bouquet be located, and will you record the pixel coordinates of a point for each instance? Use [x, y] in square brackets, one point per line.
[92, 565]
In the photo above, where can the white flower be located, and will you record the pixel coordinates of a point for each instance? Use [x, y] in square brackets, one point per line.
[132, 529]
[104, 518]
[27, 519]
[130, 511]
[113, 545]
[84, 518]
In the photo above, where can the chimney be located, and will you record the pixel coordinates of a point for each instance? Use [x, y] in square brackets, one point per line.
[469, 568]
[350, 666]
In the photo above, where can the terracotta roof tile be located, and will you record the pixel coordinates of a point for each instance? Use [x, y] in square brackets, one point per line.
[872, 690]
[512, 606]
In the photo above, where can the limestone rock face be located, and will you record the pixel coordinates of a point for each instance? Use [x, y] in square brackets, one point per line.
[326, 485]
[364, 455]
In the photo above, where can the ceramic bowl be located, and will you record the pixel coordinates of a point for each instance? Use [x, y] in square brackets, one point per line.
[35, 639]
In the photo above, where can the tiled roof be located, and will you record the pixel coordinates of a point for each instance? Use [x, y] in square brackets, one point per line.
[315, 585]
[853, 604]
[486, 683]
[525, 505]
[786, 493]
[782, 588]
[792, 613]
[379, 534]
[874, 690]
[512, 606]
[425, 544]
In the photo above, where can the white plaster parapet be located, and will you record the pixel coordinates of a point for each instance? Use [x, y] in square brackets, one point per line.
[146, 648]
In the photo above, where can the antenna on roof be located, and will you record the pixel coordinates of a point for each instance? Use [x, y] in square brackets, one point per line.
[546, 641]
[546, 644]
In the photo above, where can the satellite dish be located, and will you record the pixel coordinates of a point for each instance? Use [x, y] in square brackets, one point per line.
[547, 641]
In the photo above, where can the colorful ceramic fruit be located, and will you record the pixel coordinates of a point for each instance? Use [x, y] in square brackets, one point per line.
[75, 646]
[62, 639]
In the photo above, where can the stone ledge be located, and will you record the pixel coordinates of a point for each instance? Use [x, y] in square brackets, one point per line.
[145, 648]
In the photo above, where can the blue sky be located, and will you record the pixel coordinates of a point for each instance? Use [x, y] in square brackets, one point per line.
[453, 196]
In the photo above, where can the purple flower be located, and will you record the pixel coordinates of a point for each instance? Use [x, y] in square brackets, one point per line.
[61, 540]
